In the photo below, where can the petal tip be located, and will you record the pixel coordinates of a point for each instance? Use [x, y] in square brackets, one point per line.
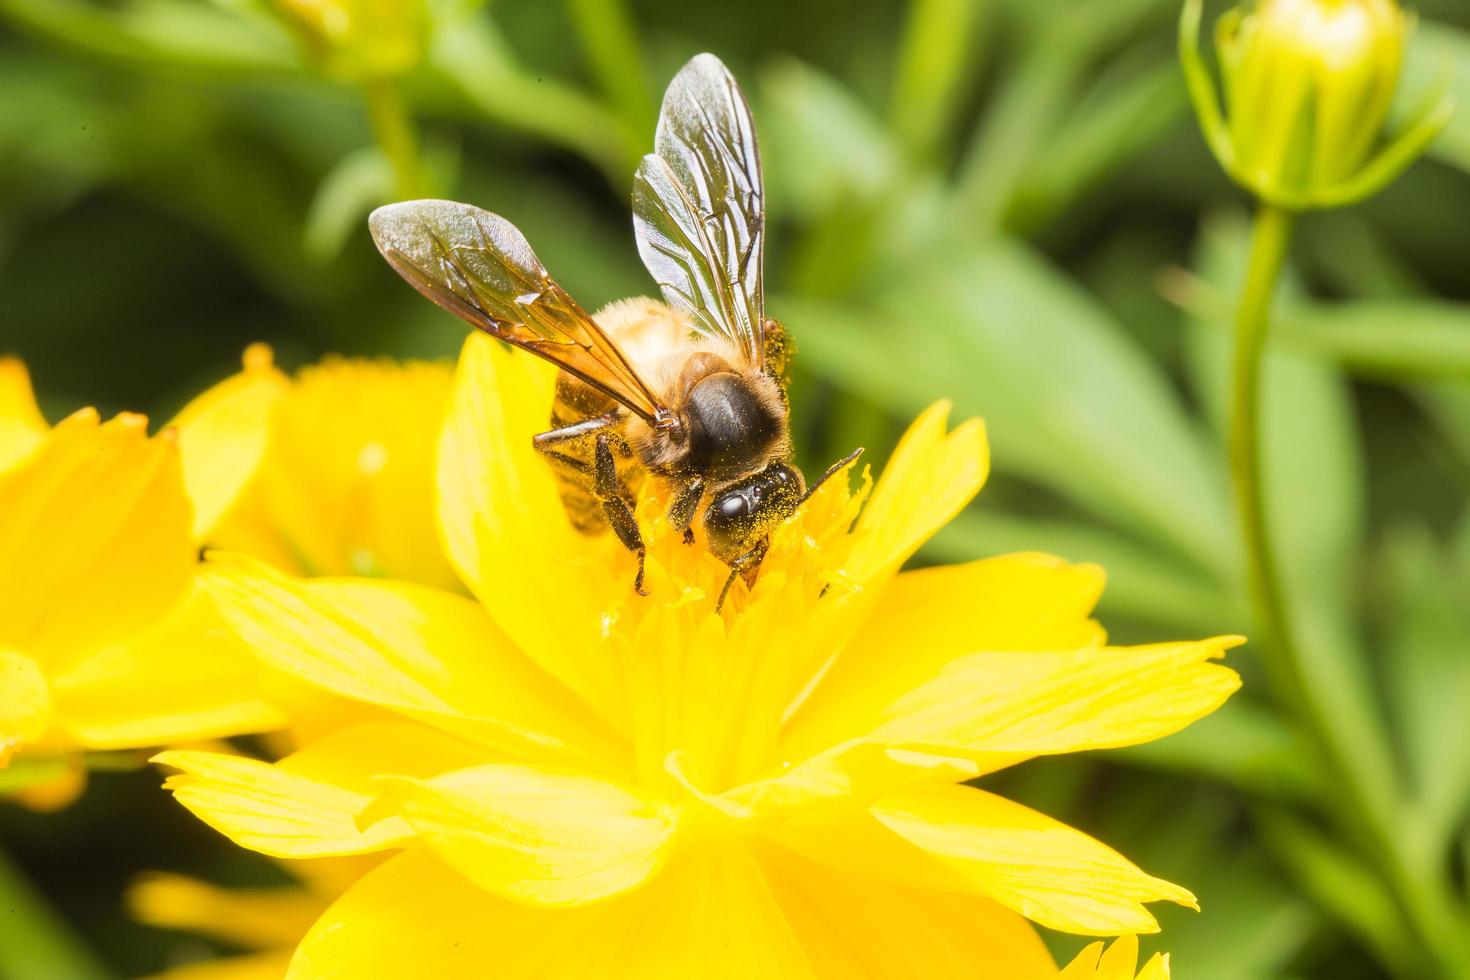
[258, 357]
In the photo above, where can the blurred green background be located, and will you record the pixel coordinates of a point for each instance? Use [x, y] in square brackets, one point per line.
[1004, 202]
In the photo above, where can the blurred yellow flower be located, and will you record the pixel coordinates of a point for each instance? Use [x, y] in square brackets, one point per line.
[340, 481]
[360, 40]
[266, 922]
[586, 782]
[105, 641]
[1118, 963]
[346, 482]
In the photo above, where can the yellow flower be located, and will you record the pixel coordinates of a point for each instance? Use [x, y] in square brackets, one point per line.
[265, 922]
[1118, 963]
[360, 39]
[346, 482]
[342, 483]
[105, 641]
[584, 782]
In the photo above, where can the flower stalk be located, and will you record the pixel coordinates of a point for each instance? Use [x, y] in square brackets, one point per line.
[394, 132]
[1422, 898]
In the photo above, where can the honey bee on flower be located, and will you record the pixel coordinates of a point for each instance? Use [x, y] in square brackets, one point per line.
[692, 393]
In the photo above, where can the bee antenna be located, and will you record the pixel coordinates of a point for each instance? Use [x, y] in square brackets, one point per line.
[832, 471]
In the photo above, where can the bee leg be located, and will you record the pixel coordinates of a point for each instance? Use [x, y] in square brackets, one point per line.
[615, 506]
[570, 436]
[686, 502]
[748, 564]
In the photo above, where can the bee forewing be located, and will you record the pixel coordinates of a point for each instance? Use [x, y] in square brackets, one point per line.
[699, 207]
[479, 267]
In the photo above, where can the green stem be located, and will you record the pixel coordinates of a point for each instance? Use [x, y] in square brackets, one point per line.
[393, 129]
[937, 52]
[34, 942]
[1425, 903]
[605, 28]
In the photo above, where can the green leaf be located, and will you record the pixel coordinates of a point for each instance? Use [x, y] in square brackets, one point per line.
[1071, 400]
[359, 182]
[1447, 403]
[1241, 744]
[1439, 58]
[1341, 885]
[1429, 679]
[471, 58]
[938, 52]
[1386, 339]
[162, 33]
[821, 146]
[34, 941]
[1251, 924]
[1126, 112]
[1143, 583]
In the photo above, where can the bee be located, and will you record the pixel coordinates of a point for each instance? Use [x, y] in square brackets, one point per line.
[691, 391]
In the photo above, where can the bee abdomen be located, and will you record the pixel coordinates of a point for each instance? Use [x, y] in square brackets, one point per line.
[572, 462]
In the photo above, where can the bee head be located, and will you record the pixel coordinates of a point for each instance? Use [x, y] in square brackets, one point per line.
[743, 512]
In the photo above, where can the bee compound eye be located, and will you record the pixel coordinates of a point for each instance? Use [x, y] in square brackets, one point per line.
[734, 506]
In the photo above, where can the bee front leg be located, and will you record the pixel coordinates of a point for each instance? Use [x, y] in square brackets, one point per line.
[748, 564]
[682, 510]
[615, 506]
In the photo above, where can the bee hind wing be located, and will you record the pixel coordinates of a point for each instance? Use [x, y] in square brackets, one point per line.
[699, 207]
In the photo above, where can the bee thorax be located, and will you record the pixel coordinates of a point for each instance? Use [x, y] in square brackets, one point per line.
[732, 428]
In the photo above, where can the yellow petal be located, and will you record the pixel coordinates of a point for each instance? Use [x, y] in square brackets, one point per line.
[415, 917]
[347, 483]
[56, 792]
[925, 619]
[410, 648]
[1028, 862]
[1003, 707]
[255, 966]
[856, 926]
[1084, 964]
[929, 479]
[330, 877]
[1117, 963]
[710, 915]
[1157, 968]
[223, 435]
[272, 810]
[504, 527]
[307, 805]
[539, 837]
[21, 424]
[94, 537]
[253, 918]
[1120, 960]
[187, 679]
[25, 703]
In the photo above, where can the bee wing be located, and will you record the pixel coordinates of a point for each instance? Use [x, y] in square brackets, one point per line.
[699, 207]
[479, 267]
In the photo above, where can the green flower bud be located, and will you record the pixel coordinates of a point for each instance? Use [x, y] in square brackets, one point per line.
[1307, 89]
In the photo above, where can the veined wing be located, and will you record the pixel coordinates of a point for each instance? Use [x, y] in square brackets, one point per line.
[479, 267]
[699, 207]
